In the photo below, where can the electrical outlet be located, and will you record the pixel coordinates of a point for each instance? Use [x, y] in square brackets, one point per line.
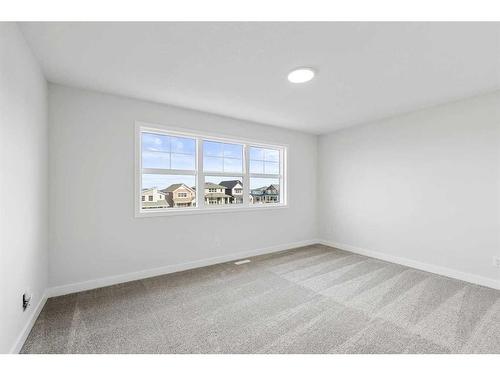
[26, 300]
[496, 261]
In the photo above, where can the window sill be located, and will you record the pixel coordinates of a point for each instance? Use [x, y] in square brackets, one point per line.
[202, 211]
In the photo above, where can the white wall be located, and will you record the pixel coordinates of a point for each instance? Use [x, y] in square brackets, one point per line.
[23, 173]
[423, 188]
[95, 235]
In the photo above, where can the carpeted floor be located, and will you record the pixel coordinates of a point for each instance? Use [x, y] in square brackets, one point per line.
[314, 299]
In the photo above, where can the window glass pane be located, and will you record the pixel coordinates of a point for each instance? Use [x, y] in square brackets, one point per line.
[213, 164]
[256, 153]
[271, 155]
[155, 142]
[270, 167]
[222, 157]
[264, 161]
[233, 151]
[182, 161]
[154, 159]
[167, 191]
[264, 190]
[223, 190]
[256, 166]
[212, 148]
[183, 145]
[233, 165]
[166, 152]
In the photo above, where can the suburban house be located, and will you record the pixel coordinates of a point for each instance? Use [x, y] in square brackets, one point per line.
[152, 198]
[216, 194]
[180, 195]
[226, 192]
[265, 194]
[234, 188]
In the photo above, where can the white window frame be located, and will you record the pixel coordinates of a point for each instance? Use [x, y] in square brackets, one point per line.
[199, 174]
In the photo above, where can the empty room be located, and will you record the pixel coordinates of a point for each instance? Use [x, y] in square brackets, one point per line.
[250, 187]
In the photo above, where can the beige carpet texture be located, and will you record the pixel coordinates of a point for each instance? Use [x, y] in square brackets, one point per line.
[314, 299]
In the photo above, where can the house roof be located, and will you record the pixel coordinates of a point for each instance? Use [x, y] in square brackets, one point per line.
[159, 204]
[263, 189]
[174, 187]
[213, 186]
[153, 189]
[210, 185]
[230, 184]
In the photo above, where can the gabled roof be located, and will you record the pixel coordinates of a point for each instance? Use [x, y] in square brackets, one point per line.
[158, 204]
[174, 187]
[213, 186]
[230, 184]
[264, 189]
[145, 190]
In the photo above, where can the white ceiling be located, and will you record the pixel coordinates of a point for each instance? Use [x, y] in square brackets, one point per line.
[366, 71]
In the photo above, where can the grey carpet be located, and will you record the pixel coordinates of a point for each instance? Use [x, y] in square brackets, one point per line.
[314, 299]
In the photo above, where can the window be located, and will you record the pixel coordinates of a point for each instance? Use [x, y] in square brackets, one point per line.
[181, 171]
[168, 166]
[265, 175]
[222, 170]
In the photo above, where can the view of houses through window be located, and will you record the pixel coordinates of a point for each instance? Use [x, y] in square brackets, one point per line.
[223, 190]
[169, 172]
[165, 191]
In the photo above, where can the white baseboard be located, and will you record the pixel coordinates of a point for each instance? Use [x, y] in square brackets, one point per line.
[117, 279]
[444, 271]
[29, 325]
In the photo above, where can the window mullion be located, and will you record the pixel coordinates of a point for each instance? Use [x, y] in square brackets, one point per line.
[246, 178]
[168, 171]
[260, 175]
[223, 174]
[200, 177]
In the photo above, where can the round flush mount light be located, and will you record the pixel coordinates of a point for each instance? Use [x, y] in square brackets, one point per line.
[301, 75]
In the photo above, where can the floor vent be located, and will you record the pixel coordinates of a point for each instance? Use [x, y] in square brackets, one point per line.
[242, 262]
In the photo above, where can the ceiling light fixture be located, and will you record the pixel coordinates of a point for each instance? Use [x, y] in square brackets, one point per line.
[301, 75]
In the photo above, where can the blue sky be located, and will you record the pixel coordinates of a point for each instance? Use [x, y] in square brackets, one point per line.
[163, 151]
[162, 181]
[222, 157]
[264, 161]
